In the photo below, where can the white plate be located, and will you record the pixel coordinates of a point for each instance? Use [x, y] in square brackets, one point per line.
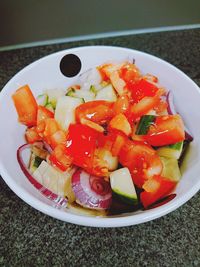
[45, 74]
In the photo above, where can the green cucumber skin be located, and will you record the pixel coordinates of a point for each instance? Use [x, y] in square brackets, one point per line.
[50, 107]
[125, 199]
[176, 146]
[45, 100]
[37, 161]
[93, 89]
[71, 92]
[145, 122]
[186, 145]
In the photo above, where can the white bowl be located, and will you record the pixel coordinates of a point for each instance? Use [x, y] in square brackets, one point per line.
[45, 74]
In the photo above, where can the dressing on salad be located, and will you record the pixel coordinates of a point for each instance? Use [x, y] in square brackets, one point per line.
[111, 142]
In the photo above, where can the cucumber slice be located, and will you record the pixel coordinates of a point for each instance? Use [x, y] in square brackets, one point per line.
[171, 169]
[107, 93]
[37, 161]
[93, 89]
[171, 151]
[144, 124]
[65, 110]
[42, 99]
[32, 167]
[122, 186]
[54, 95]
[71, 92]
[83, 94]
[50, 107]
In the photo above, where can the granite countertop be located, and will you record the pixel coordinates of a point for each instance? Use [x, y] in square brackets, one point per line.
[30, 238]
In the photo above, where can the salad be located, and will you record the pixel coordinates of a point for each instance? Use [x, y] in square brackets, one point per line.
[112, 142]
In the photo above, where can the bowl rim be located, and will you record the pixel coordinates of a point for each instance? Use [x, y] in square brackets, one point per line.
[96, 221]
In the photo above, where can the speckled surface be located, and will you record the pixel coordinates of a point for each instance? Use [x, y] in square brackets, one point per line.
[30, 238]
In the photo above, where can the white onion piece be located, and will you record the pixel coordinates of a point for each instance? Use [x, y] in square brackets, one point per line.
[172, 111]
[58, 200]
[86, 196]
[88, 78]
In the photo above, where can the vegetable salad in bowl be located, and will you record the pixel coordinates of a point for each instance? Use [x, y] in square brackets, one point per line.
[111, 143]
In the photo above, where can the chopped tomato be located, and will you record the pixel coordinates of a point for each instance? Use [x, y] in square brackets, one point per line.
[141, 160]
[121, 105]
[82, 145]
[57, 138]
[113, 141]
[157, 188]
[150, 78]
[51, 127]
[161, 107]
[32, 135]
[118, 144]
[129, 73]
[81, 142]
[60, 159]
[99, 111]
[93, 125]
[106, 70]
[102, 71]
[46, 128]
[98, 166]
[141, 88]
[166, 130]
[43, 113]
[145, 105]
[41, 127]
[120, 123]
[26, 106]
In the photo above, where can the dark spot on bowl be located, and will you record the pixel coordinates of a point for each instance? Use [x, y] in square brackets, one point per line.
[70, 65]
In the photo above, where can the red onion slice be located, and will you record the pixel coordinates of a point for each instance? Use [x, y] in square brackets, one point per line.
[47, 147]
[58, 200]
[172, 111]
[188, 136]
[170, 101]
[85, 194]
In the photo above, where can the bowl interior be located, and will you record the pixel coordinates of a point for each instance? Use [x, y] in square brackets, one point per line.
[45, 74]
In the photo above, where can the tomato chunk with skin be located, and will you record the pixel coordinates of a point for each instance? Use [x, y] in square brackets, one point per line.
[47, 128]
[141, 89]
[103, 73]
[60, 159]
[141, 160]
[121, 105]
[99, 111]
[32, 135]
[26, 106]
[59, 137]
[113, 141]
[81, 143]
[163, 186]
[129, 73]
[43, 113]
[166, 130]
[120, 123]
[141, 108]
